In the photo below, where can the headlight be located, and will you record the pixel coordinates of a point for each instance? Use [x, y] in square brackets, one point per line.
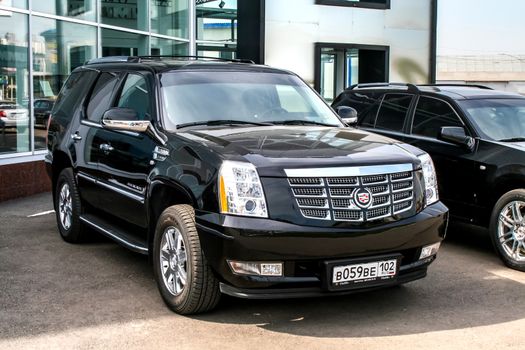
[240, 190]
[429, 174]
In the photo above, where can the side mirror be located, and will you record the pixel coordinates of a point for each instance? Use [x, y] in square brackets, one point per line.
[124, 119]
[348, 114]
[457, 135]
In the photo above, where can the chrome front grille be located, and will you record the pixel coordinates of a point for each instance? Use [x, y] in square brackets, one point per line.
[343, 198]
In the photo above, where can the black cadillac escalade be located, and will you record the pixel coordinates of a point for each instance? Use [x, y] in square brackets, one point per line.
[237, 178]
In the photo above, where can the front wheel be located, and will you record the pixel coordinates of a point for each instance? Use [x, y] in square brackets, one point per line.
[186, 282]
[507, 229]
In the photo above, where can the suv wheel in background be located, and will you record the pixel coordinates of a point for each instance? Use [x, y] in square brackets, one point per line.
[507, 228]
[186, 282]
[68, 207]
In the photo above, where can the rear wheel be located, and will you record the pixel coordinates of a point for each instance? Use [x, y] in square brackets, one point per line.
[68, 207]
[186, 282]
[507, 229]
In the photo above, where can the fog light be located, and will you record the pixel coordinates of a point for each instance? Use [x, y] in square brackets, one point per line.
[256, 268]
[429, 250]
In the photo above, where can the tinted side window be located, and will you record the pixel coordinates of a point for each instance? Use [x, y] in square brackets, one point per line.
[101, 96]
[72, 95]
[135, 95]
[432, 114]
[393, 112]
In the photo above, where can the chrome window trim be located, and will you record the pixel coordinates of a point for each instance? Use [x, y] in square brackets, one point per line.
[349, 171]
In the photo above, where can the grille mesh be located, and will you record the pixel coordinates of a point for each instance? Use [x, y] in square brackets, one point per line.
[332, 198]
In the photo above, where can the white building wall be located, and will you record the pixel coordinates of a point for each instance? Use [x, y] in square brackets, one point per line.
[294, 26]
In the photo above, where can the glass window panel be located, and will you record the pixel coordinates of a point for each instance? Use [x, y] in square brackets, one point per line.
[14, 84]
[169, 17]
[117, 43]
[393, 112]
[58, 48]
[226, 51]
[13, 3]
[328, 71]
[352, 67]
[217, 20]
[129, 13]
[81, 9]
[72, 95]
[100, 100]
[135, 95]
[161, 46]
[431, 115]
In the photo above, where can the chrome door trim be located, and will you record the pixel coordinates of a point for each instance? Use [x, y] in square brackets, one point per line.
[121, 191]
[349, 171]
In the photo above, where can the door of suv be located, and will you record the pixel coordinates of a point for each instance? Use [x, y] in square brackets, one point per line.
[125, 157]
[455, 165]
[86, 140]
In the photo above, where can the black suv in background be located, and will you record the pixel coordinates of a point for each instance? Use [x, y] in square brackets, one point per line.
[476, 138]
[237, 178]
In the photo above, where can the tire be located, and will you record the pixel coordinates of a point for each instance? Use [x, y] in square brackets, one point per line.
[508, 233]
[68, 205]
[182, 255]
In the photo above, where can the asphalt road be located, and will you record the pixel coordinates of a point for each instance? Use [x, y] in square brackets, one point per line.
[99, 295]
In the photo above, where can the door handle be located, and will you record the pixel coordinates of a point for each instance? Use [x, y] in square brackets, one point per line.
[76, 137]
[106, 148]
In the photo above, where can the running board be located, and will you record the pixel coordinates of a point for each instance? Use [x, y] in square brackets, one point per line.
[115, 233]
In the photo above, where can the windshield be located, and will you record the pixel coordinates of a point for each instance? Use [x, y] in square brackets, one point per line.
[247, 97]
[498, 119]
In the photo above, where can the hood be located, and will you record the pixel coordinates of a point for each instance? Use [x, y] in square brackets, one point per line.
[274, 148]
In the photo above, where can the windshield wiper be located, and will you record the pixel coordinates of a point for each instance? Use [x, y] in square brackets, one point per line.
[299, 122]
[513, 139]
[220, 122]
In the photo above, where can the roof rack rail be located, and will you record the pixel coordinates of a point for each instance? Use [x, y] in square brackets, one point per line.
[152, 57]
[108, 59]
[410, 87]
[138, 59]
[477, 86]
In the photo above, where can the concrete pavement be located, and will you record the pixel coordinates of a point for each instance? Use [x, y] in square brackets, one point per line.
[99, 295]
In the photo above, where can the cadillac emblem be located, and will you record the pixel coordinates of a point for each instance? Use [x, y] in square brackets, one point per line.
[363, 198]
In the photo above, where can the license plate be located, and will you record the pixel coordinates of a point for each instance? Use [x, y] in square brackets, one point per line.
[364, 273]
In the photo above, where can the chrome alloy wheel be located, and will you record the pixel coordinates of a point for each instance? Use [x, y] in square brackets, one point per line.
[65, 207]
[173, 260]
[511, 230]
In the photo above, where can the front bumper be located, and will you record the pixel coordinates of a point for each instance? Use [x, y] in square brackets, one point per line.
[305, 249]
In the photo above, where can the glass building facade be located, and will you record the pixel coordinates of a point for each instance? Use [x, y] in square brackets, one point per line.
[42, 41]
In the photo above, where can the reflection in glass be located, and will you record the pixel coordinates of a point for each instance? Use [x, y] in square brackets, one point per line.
[14, 91]
[226, 51]
[217, 20]
[13, 3]
[117, 43]
[81, 9]
[125, 13]
[58, 48]
[328, 62]
[169, 17]
[161, 46]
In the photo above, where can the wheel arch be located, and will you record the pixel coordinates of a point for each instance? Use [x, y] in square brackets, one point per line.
[60, 162]
[163, 193]
[504, 184]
